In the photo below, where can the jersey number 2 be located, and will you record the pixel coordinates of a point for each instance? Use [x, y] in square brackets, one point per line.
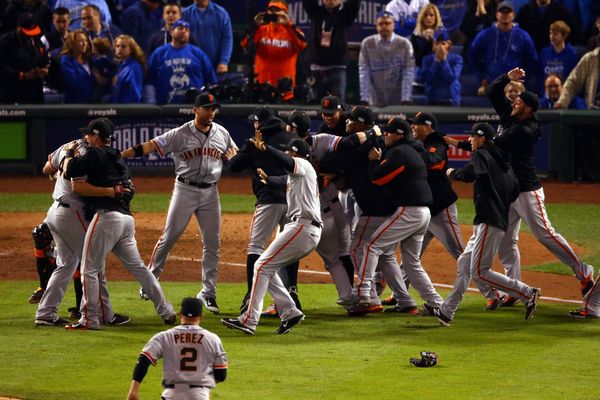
[189, 355]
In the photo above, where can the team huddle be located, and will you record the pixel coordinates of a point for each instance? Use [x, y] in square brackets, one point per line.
[354, 192]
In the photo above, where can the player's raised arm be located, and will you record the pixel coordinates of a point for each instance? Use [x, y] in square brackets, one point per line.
[139, 150]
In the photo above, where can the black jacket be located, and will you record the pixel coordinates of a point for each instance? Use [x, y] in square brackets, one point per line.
[495, 185]
[103, 167]
[350, 161]
[338, 130]
[436, 160]
[338, 22]
[248, 157]
[517, 138]
[403, 173]
[18, 54]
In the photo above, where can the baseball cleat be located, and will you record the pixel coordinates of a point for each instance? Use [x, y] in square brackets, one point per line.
[170, 320]
[427, 310]
[36, 296]
[532, 303]
[581, 313]
[51, 322]
[389, 301]
[143, 295]
[411, 310]
[509, 301]
[288, 324]
[493, 304]
[234, 323]
[119, 319]
[442, 319]
[209, 302]
[78, 327]
[358, 310]
[271, 311]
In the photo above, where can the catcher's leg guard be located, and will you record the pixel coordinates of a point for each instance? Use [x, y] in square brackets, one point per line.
[44, 253]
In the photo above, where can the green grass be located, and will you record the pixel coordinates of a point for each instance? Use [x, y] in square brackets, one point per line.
[329, 356]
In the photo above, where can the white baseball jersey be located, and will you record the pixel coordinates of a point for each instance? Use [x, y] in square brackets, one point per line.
[197, 156]
[62, 187]
[190, 354]
[303, 192]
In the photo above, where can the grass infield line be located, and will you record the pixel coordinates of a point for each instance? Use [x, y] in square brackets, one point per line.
[307, 271]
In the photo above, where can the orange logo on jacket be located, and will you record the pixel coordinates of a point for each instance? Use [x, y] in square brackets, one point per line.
[432, 149]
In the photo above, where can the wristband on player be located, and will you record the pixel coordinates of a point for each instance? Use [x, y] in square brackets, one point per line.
[138, 150]
[70, 153]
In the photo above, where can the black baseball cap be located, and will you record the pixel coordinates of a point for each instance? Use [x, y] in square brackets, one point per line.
[271, 125]
[398, 126]
[191, 307]
[299, 146]
[483, 129]
[531, 99]
[424, 118]
[102, 127]
[506, 4]
[361, 114]
[261, 113]
[300, 121]
[330, 105]
[206, 100]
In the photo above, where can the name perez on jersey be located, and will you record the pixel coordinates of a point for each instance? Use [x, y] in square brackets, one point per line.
[281, 43]
[200, 152]
[188, 338]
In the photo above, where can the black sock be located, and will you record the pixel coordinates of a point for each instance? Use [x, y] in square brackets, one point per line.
[349, 267]
[292, 273]
[250, 261]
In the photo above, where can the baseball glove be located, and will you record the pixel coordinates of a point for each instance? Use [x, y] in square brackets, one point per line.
[124, 192]
[428, 359]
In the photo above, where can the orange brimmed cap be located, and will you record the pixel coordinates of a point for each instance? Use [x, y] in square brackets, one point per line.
[278, 4]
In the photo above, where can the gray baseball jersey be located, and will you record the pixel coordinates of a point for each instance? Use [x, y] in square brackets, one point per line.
[189, 353]
[197, 156]
[302, 187]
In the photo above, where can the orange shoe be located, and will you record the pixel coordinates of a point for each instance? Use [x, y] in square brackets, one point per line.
[271, 311]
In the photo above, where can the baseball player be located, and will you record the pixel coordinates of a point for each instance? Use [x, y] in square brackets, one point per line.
[495, 188]
[299, 237]
[66, 224]
[334, 120]
[271, 206]
[112, 227]
[521, 132]
[444, 214]
[198, 148]
[334, 246]
[194, 358]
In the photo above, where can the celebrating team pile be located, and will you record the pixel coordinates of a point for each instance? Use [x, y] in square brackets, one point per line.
[354, 192]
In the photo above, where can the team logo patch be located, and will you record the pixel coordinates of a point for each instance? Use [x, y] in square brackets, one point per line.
[211, 98]
[326, 103]
[432, 149]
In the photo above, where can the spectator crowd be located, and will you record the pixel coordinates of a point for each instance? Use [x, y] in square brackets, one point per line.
[438, 52]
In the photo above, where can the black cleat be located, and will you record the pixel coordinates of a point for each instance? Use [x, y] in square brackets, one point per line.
[170, 320]
[287, 325]
[209, 302]
[37, 296]
[234, 323]
[119, 319]
[532, 303]
[51, 322]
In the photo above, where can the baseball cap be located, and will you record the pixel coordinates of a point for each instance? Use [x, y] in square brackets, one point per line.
[483, 129]
[361, 114]
[382, 14]
[191, 307]
[180, 22]
[102, 127]
[299, 120]
[280, 5]
[424, 118]
[531, 99]
[506, 4]
[330, 105]
[299, 146]
[28, 25]
[261, 113]
[398, 126]
[441, 34]
[271, 125]
[206, 100]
